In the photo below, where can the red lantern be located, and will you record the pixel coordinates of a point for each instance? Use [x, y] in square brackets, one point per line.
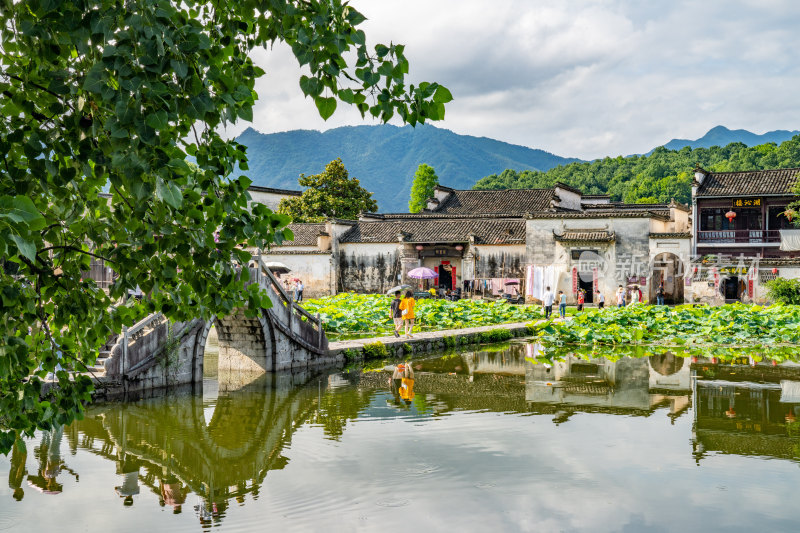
[774, 270]
[730, 215]
[419, 247]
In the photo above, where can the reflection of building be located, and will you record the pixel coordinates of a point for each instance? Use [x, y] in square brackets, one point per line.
[744, 418]
[629, 383]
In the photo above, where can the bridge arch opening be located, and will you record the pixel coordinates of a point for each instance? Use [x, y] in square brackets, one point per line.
[235, 349]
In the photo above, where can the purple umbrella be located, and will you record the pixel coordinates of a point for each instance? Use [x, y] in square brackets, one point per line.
[422, 273]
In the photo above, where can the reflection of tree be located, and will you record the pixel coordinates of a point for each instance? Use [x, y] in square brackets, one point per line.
[18, 472]
[339, 405]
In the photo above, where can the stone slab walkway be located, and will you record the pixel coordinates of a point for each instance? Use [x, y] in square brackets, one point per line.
[428, 341]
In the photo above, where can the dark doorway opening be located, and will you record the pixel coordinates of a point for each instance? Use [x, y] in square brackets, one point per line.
[731, 288]
[445, 278]
[587, 286]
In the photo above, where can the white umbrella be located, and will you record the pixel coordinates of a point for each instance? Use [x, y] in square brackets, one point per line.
[275, 266]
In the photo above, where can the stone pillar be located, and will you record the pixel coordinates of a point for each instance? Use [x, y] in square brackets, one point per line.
[409, 260]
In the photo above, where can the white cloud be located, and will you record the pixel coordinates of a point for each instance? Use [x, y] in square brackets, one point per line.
[580, 78]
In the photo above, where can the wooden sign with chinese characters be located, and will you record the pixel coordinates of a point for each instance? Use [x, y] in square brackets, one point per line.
[733, 270]
[747, 202]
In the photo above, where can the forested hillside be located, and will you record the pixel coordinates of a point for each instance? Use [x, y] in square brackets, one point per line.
[385, 157]
[657, 177]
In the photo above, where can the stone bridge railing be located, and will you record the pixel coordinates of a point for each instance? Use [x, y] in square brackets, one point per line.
[291, 318]
[155, 353]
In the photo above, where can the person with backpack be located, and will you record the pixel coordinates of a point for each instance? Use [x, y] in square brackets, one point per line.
[407, 310]
[397, 314]
[660, 294]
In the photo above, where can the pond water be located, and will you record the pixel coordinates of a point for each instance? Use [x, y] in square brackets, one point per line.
[494, 438]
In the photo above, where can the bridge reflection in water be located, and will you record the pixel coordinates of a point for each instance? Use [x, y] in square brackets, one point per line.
[204, 453]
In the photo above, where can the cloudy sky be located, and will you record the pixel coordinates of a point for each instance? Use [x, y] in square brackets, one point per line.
[578, 78]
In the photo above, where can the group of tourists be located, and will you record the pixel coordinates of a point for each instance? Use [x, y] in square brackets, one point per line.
[296, 289]
[635, 293]
[402, 310]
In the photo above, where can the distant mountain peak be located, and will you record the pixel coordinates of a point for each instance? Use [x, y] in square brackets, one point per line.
[722, 136]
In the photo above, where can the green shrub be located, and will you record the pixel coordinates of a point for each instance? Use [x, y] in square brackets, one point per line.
[350, 354]
[407, 348]
[376, 350]
[784, 291]
[495, 335]
[449, 341]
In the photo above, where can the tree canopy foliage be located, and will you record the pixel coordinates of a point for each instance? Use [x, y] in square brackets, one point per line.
[330, 194]
[425, 179]
[106, 96]
[659, 176]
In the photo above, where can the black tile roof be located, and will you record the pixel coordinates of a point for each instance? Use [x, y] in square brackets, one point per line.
[587, 235]
[286, 192]
[505, 201]
[672, 235]
[305, 234]
[776, 182]
[609, 212]
[422, 230]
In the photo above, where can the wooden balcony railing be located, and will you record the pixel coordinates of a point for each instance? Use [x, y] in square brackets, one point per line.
[740, 236]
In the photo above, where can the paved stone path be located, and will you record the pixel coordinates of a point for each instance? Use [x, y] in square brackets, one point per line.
[428, 340]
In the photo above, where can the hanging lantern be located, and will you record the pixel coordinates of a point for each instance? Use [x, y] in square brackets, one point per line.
[419, 247]
[730, 413]
[774, 270]
[459, 247]
[730, 215]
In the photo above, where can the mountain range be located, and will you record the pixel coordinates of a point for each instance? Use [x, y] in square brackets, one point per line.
[722, 136]
[385, 157]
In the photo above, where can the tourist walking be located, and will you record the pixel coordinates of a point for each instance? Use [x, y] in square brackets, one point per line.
[581, 299]
[397, 313]
[601, 300]
[660, 294]
[620, 296]
[548, 300]
[407, 310]
[562, 304]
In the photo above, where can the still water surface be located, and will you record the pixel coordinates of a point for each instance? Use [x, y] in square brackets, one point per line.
[484, 440]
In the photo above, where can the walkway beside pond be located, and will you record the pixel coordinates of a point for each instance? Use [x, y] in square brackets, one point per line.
[430, 341]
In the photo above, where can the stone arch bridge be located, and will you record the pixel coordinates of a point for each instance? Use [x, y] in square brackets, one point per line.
[156, 353]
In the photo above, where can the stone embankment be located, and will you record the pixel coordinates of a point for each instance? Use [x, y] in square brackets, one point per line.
[391, 346]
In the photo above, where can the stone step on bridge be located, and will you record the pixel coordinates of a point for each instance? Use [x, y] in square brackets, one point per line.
[156, 353]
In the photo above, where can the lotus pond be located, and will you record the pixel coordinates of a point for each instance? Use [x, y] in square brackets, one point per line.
[511, 437]
[352, 315]
[734, 325]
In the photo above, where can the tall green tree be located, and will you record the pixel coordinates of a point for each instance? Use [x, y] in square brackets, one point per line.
[425, 179]
[106, 95]
[330, 194]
